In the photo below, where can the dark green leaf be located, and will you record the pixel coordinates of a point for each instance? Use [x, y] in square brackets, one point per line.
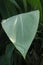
[25, 5]
[7, 8]
[7, 58]
[36, 4]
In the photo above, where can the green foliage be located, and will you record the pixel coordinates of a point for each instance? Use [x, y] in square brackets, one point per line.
[10, 8]
[25, 5]
[21, 30]
[7, 8]
[36, 4]
[7, 58]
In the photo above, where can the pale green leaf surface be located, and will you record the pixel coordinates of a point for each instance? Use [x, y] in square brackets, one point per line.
[21, 30]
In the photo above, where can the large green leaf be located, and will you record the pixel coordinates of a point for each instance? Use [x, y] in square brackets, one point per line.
[21, 30]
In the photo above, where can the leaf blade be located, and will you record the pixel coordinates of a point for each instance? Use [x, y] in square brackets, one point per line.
[21, 30]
